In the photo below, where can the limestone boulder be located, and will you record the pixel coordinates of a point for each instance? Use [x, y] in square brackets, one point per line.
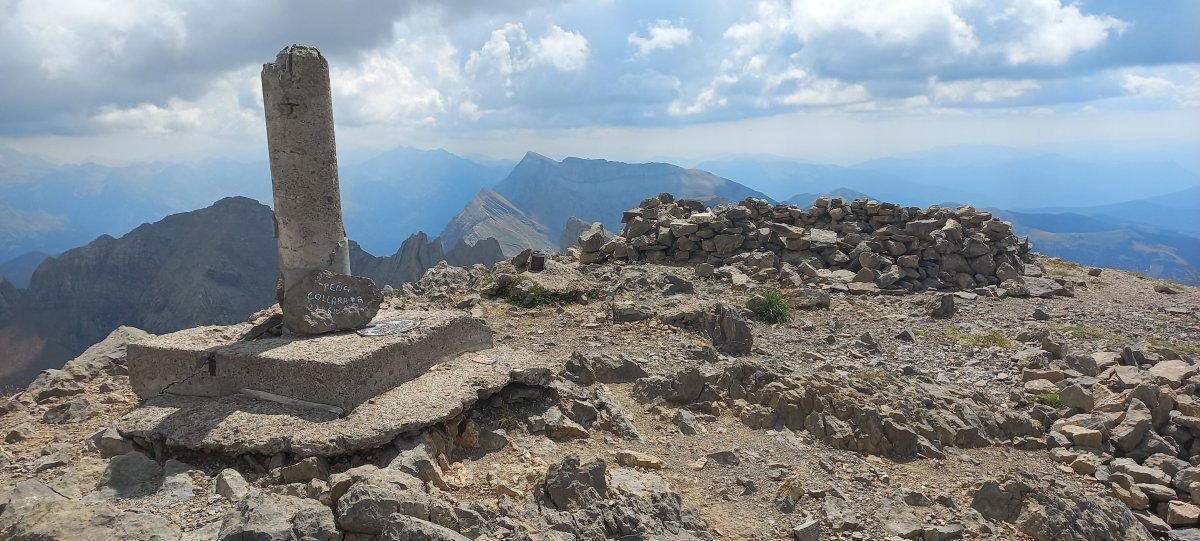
[375, 496]
[130, 475]
[274, 517]
[571, 484]
[34, 512]
[326, 301]
[405, 528]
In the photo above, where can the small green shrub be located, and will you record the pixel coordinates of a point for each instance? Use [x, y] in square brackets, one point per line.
[1186, 348]
[872, 374]
[536, 295]
[506, 419]
[1082, 332]
[775, 309]
[985, 340]
[1049, 399]
[1087, 332]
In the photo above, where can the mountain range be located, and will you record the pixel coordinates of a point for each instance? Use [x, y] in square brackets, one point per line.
[536, 200]
[217, 264]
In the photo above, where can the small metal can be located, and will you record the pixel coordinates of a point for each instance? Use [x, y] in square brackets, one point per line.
[537, 262]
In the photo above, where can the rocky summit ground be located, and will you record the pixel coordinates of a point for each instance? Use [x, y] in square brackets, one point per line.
[665, 407]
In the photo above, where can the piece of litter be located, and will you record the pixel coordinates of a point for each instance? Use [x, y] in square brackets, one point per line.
[483, 359]
[391, 326]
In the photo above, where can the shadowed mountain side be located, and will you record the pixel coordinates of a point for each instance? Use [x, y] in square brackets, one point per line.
[550, 192]
[1174, 211]
[418, 254]
[213, 265]
[405, 190]
[491, 215]
[1108, 242]
[20, 269]
[216, 265]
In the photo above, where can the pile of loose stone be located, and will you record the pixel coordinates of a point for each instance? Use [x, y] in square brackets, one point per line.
[874, 245]
[1130, 419]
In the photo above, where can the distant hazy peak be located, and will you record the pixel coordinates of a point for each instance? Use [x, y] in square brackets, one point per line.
[533, 158]
[236, 201]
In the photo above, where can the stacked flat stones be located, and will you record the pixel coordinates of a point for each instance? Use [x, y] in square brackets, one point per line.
[891, 246]
[1131, 419]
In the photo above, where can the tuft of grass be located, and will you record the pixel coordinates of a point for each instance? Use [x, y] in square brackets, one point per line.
[1186, 348]
[1059, 262]
[1049, 399]
[985, 340]
[1059, 267]
[1088, 332]
[872, 374]
[537, 295]
[1082, 332]
[506, 419]
[775, 309]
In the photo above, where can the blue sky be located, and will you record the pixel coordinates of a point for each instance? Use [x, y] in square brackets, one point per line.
[831, 81]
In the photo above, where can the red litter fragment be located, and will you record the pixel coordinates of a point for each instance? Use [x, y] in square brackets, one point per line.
[484, 359]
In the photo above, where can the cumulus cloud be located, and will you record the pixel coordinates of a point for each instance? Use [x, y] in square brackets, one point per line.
[509, 50]
[885, 23]
[155, 67]
[232, 105]
[565, 51]
[65, 60]
[979, 90]
[1049, 32]
[1183, 88]
[411, 82]
[662, 34]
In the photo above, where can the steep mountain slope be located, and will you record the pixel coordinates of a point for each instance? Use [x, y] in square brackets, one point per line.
[64, 199]
[1174, 211]
[491, 215]
[19, 270]
[216, 264]
[210, 266]
[405, 191]
[418, 254]
[1107, 241]
[540, 194]
[385, 199]
[550, 191]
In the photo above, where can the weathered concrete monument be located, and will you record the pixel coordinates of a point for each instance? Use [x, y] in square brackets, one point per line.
[317, 294]
[310, 361]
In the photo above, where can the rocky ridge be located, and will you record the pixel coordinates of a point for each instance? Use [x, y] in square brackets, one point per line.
[664, 407]
[215, 265]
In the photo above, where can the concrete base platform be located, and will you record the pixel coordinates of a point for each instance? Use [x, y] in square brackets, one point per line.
[340, 369]
[240, 424]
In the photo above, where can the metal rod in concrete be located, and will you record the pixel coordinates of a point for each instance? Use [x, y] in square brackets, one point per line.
[303, 155]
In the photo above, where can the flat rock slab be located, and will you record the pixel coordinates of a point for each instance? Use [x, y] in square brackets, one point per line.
[243, 425]
[340, 369]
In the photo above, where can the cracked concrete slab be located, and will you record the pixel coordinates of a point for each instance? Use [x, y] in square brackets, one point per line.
[340, 369]
[239, 424]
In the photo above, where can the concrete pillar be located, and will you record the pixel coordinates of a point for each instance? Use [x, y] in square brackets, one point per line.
[303, 155]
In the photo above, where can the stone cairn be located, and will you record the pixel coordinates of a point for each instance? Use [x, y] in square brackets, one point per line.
[884, 244]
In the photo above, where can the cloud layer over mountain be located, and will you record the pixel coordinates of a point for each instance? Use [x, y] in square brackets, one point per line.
[97, 73]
